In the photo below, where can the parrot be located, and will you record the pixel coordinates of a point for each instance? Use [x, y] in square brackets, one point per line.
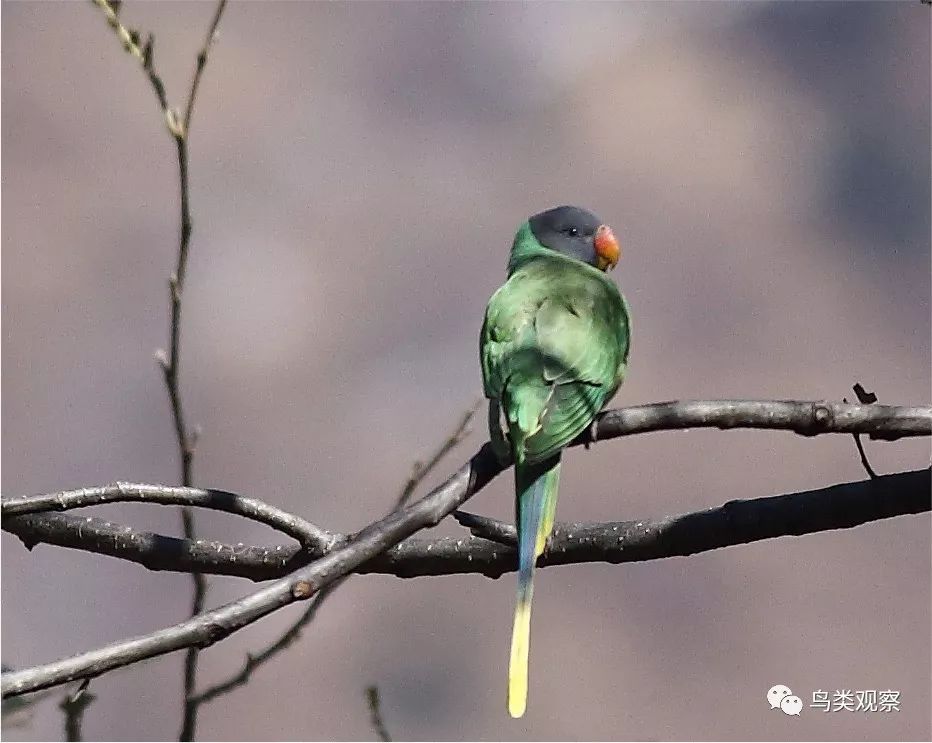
[553, 350]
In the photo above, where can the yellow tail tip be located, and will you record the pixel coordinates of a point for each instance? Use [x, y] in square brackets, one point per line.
[516, 707]
[517, 666]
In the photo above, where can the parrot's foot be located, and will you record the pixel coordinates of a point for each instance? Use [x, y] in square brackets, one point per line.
[498, 434]
[501, 447]
[503, 456]
[592, 434]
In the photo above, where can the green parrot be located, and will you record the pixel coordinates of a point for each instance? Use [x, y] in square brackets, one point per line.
[554, 349]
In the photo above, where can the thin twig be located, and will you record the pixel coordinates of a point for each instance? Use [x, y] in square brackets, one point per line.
[74, 706]
[201, 63]
[375, 713]
[865, 398]
[178, 128]
[186, 440]
[294, 631]
[419, 470]
[309, 535]
[283, 642]
[144, 54]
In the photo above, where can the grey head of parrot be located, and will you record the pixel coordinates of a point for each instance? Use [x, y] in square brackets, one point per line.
[576, 233]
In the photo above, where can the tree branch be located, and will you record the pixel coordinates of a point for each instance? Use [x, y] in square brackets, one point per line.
[865, 398]
[375, 713]
[420, 470]
[253, 661]
[153, 551]
[201, 64]
[885, 422]
[211, 626]
[158, 552]
[830, 508]
[488, 551]
[304, 532]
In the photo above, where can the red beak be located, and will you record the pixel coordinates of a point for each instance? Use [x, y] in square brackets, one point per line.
[606, 247]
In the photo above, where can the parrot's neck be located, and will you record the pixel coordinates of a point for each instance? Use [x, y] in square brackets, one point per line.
[525, 247]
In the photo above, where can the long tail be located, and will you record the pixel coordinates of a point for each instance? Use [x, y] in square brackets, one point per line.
[535, 503]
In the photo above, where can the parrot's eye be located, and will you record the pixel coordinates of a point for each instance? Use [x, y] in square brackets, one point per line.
[571, 231]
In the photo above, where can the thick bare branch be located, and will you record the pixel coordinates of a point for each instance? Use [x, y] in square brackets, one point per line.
[488, 552]
[151, 550]
[886, 422]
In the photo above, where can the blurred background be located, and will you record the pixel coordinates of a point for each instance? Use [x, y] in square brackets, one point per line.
[358, 171]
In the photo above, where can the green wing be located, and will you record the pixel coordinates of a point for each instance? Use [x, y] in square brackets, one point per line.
[554, 346]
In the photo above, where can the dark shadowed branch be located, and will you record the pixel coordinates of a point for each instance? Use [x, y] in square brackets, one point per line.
[151, 550]
[735, 522]
[375, 713]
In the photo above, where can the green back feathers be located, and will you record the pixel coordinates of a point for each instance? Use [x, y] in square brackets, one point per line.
[553, 349]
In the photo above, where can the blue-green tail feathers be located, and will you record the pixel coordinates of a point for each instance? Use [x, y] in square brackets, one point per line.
[536, 488]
